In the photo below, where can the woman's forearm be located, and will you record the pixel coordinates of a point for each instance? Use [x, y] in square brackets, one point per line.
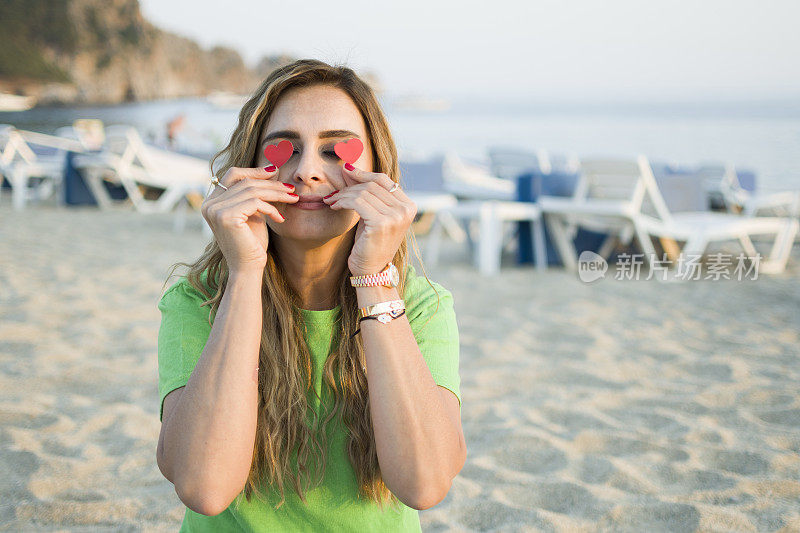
[417, 444]
[210, 435]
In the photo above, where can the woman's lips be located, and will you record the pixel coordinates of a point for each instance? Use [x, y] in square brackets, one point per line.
[310, 202]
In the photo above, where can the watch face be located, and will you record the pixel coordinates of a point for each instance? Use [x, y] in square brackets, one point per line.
[394, 275]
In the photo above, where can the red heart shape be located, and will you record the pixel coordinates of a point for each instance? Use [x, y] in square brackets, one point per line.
[349, 151]
[278, 154]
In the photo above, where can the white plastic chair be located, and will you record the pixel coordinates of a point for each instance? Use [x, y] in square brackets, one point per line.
[622, 196]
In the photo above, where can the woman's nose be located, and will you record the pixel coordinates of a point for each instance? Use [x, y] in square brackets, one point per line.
[310, 167]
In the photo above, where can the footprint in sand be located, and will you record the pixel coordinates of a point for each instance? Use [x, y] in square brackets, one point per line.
[739, 462]
[651, 517]
[489, 515]
[562, 497]
[530, 454]
[783, 417]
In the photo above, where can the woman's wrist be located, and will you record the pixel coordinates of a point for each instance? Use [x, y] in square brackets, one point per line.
[366, 270]
[246, 276]
[372, 295]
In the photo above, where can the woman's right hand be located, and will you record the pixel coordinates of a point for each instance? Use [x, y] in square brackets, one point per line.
[236, 216]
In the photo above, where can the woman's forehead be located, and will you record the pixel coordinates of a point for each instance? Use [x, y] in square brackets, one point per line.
[309, 111]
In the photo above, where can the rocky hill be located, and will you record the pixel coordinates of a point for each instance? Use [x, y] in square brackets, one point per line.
[104, 51]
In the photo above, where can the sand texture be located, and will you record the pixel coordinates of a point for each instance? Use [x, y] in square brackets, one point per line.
[611, 406]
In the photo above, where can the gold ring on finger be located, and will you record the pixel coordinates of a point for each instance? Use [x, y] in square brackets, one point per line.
[216, 182]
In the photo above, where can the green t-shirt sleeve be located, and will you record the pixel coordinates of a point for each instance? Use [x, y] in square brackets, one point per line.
[182, 336]
[438, 339]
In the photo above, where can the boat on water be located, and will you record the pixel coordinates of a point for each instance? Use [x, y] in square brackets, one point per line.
[15, 102]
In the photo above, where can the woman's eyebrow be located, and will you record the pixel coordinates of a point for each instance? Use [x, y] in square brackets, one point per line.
[337, 133]
[327, 134]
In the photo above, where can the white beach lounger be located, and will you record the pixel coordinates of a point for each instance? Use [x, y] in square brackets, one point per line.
[473, 181]
[509, 162]
[129, 162]
[622, 197]
[422, 181]
[739, 199]
[456, 190]
[20, 164]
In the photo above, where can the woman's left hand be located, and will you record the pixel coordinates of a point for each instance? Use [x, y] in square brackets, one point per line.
[385, 218]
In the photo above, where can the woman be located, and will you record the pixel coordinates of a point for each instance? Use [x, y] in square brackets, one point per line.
[277, 415]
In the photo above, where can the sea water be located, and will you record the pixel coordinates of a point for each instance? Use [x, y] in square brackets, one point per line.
[761, 136]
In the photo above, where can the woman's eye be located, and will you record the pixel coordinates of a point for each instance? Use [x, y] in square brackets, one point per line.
[327, 153]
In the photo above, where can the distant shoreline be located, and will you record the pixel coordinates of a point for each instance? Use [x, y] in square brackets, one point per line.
[767, 108]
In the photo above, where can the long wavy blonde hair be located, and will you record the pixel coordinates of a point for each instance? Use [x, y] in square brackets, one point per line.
[284, 368]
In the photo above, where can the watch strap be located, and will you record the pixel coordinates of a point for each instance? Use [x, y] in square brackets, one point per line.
[371, 280]
[381, 307]
[383, 318]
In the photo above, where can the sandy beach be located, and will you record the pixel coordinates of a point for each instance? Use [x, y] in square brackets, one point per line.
[611, 406]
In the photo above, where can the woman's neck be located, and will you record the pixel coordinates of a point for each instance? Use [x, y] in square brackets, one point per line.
[314, 269]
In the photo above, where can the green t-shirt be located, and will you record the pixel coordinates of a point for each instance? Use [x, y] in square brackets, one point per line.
[334, 505]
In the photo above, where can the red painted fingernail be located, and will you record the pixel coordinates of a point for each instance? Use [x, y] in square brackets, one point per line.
[270, 168]
[293, 194]
[331, 194]
[348, 166]
[289, 185]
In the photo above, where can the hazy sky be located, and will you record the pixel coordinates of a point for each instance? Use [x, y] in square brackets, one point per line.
[550, 49]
